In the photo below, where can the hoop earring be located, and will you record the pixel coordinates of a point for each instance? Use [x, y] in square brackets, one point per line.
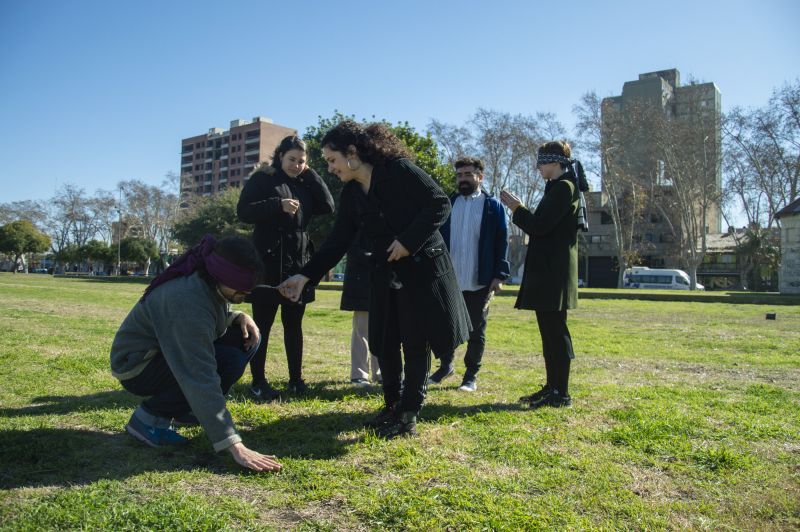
[350, 166]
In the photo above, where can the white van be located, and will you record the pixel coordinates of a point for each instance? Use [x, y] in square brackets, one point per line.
[644, 277]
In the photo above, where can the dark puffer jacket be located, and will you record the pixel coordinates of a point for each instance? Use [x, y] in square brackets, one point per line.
[281, 238]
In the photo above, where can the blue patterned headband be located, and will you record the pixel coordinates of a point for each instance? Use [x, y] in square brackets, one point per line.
[547, 158]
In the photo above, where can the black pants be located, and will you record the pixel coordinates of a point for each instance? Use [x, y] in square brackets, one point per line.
[556, 347]
[405, 383]
[292, 320]
[477, 302]
[166, 398]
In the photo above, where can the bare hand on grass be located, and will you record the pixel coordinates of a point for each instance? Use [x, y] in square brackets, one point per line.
[252, 459]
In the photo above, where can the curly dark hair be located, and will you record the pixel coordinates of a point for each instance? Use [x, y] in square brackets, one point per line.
[292, 142]
[469, 161]
[375, 143]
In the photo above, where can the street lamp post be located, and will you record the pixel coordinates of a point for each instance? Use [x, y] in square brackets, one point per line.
[119, 233]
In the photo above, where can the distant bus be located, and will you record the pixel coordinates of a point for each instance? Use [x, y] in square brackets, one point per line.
[644, 277]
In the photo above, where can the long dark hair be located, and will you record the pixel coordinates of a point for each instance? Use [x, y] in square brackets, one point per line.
[375, 143]
[292, 142]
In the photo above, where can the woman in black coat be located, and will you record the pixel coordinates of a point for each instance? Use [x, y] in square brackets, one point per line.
[280, 200]
[414, 300]
[550, 279]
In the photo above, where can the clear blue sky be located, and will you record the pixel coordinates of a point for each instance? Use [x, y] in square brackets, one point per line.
[94, 92]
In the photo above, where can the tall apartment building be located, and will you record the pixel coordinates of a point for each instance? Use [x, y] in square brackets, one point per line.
[661, 93]
[219, 159]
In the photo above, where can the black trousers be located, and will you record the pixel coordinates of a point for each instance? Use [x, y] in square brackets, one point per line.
[166, 398]
[556, 347]
[477, 302]
[404, 383]
[292, 320]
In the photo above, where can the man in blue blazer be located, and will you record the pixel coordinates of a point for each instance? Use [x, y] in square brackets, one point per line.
[476, 234]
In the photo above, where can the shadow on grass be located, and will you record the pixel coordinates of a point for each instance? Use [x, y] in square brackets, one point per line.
[65, 404]
[66, 457]
[326, 390]
[76, 456]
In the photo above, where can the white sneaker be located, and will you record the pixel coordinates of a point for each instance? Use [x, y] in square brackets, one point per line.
[468, 386]
[360, 383]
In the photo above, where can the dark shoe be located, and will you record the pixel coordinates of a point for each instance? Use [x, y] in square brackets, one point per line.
[536, 395]
[554, 399]
[404, 425]
[153, 436]
[441, 374]
[263, 392]
[186, 420]
[298, 387]
[387, 415]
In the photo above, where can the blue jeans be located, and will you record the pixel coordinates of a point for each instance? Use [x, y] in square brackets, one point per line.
[166, 399]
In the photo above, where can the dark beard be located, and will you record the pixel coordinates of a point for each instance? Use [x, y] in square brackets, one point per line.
[467, 189]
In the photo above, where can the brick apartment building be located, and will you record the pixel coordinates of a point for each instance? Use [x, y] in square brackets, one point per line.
[220, 159]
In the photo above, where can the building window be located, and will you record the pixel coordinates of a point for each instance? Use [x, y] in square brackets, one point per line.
[667, 238]
[649, 237]
[655, 218]
[597, 239]
[605, 218]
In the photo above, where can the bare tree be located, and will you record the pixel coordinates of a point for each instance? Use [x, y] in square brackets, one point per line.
[151, 210]
[507, 146]
[32, 211]
[762, 164]
[690, 147]
[605, 136]
[453, 141]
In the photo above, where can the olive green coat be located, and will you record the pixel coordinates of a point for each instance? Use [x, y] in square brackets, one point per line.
[550, 279]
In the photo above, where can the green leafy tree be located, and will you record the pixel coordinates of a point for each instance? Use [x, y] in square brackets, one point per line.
[20, 237]
[759, 254]
[138, 250]
[97, 251]
[215, 216]
[423, 148]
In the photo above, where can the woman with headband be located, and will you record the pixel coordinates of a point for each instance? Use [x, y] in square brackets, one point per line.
[550, 278]
[183, 348]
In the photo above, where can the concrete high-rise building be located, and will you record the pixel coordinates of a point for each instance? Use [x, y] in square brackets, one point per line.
[219, 159]
[630, 146]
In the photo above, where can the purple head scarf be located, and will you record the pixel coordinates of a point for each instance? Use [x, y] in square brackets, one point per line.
[221, 269]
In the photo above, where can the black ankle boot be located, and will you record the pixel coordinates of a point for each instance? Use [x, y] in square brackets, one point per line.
[404, 425]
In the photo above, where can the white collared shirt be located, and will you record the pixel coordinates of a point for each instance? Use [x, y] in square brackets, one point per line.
[465, 233]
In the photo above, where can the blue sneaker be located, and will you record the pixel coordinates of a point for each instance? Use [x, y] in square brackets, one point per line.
[153, 436]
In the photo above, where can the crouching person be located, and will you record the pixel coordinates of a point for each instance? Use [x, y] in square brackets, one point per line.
[182, 347]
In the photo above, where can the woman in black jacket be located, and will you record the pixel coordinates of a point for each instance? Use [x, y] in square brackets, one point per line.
[550, 279]
[280, 200]
[414, 298]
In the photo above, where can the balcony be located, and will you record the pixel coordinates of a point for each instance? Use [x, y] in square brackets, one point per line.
[252, 151]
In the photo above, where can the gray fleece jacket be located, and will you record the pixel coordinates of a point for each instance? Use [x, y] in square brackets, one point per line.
[181, 319]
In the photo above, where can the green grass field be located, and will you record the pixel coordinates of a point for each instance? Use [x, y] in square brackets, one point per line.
[687, 415]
